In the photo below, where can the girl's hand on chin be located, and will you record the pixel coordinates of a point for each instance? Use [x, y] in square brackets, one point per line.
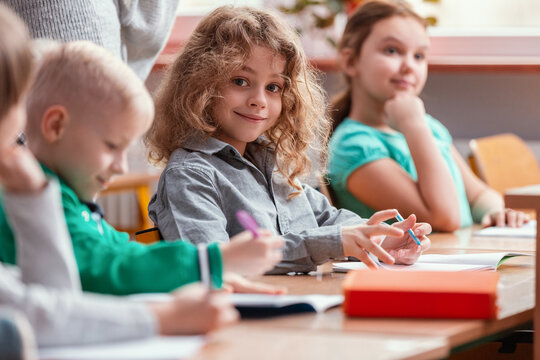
[404, 109]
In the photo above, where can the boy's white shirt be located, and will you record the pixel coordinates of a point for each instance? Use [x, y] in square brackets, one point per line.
[48, 291]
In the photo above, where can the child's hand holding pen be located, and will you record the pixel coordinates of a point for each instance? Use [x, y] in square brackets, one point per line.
[399, 246]
[249, 255]
[407, 249]
[252, 252]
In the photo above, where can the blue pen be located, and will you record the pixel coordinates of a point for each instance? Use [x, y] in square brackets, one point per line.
[248, 222]
[400, 218]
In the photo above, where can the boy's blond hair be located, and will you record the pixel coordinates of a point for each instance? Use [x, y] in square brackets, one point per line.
[87, 80]
[221, 44]
[15, 60]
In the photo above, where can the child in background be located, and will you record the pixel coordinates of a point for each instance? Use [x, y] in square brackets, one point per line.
[386, 151]
[84, 109]
[238, 139]
[48, 290]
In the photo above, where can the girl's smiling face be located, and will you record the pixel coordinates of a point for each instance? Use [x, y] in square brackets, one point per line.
[392, 59]
[251, 100]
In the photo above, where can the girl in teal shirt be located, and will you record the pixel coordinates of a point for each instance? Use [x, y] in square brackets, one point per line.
[386, 152]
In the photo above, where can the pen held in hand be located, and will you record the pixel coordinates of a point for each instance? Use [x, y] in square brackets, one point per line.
[248, 222]
[400, 218]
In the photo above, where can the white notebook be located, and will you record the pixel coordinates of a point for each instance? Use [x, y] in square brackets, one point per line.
[437, 262]
[528, 230]
[157, 347]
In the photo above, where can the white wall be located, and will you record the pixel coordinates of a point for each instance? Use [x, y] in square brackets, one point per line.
[481, 13]
[480, 104]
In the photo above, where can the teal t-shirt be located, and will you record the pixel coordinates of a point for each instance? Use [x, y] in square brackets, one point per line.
[354, 144]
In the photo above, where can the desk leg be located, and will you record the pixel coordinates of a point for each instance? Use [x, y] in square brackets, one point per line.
[530, 199]
[536, 317]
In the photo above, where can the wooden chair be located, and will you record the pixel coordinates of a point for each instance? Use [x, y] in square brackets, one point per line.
[504, 161]
[141, 185]
[149, 236]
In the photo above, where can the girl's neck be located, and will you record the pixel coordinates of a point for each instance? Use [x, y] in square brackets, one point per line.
[368, 111]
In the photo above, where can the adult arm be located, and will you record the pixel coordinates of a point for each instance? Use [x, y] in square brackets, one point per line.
[44, 250]
[145, 27]
[62, 317]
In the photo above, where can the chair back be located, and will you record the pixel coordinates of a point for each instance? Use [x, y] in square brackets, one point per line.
[504, 161]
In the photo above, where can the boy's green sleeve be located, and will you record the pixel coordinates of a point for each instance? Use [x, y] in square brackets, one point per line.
[110, 263]
[216, 264]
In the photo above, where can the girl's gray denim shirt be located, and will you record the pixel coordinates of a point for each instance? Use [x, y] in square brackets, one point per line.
[207, 181]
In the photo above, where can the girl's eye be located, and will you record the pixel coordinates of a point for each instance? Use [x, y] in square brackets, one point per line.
[391, 50]
[273, 88]
[110, 145]
[240, 82]
[419, 56]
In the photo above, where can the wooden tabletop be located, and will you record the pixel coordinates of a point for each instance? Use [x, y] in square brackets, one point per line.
[334, 335]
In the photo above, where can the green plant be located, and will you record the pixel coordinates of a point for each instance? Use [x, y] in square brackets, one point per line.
[323, 12]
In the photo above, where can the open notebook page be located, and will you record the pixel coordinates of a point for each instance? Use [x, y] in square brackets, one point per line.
[437, 262]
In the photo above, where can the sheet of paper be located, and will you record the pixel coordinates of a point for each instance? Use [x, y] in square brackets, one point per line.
[158, 347]
[526, 231]
[489, 259]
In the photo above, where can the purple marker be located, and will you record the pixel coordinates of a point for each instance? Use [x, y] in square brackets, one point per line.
[248, 222]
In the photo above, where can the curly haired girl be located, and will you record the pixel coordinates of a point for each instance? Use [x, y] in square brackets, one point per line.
[238, 110]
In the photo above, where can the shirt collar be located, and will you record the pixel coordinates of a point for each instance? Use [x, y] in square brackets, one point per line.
[94, 207]
[211, 145]
[208, 145]
[52, 175]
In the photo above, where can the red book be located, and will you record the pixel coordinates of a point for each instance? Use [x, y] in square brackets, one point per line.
[421, 294]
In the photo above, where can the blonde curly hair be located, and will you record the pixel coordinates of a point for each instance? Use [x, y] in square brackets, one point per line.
[220, 45]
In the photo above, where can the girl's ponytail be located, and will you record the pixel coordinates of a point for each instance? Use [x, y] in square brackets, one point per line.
[340, 107]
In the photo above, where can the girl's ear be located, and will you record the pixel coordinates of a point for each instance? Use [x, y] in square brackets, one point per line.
[54, 123]
[347, 62]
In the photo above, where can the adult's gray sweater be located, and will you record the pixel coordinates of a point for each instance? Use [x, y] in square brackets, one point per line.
[135, 30]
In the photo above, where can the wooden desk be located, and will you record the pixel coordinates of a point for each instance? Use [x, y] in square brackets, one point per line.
[333, 335]
[463, 239]
[529, 198]
[246, 341]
